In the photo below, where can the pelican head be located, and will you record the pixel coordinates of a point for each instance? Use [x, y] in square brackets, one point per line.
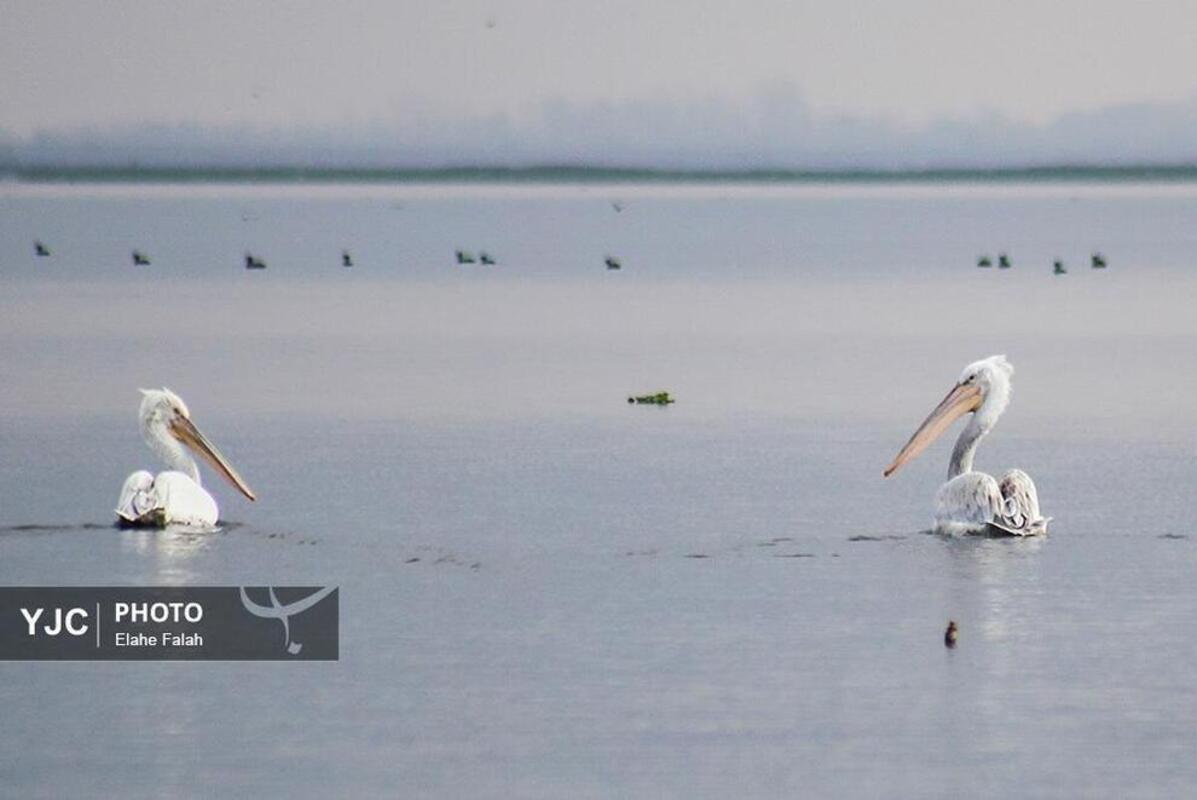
[982, 390]
[166, 424]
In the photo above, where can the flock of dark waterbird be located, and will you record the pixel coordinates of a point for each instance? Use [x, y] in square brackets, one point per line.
[1096, 261]
[141, 259]
[252, 261]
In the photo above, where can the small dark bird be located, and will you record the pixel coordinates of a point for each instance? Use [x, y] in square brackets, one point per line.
[984, 261]
[485, 258]
[1098, 261]
[612, 262]
[1003, 261]
[464, 258]
[1058, 268]
[618, 206]
[41, 249]
[949, 636]
[253, 262]
[140, 259]
[346, 259]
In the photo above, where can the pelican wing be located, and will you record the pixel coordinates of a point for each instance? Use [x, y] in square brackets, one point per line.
[967, 503]
[170, 498]
[977, 503]
[137, 498]
[1020, 504]
[185, 502]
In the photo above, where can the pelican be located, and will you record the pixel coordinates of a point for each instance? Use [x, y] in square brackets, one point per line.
[174, 497]
[974, 502]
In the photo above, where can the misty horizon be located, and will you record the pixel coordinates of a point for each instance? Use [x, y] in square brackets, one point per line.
[773, 130]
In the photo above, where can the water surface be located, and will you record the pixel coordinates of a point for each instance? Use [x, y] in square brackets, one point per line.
[546, 592]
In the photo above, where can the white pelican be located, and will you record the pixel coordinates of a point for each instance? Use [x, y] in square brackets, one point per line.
[973, 502]
[174, 497]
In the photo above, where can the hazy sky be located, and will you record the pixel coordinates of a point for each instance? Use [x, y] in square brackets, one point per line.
[271, 64]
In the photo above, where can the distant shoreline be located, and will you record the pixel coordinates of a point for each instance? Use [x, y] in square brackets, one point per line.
[583, 174]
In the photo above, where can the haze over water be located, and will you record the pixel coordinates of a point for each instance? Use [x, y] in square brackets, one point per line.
[546, 592]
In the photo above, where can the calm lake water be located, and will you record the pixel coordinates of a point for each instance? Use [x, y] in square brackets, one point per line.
[546, 592]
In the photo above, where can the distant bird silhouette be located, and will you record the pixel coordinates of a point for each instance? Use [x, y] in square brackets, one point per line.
[1003, 261]
[949, 636]
[346, 259]
[618, 206]
[464, 258]
[612, 262]
[485, 258]
[41, 249]
[253, 262]
[140, 259]
[1058, 268]
[984, 261]
[1098, 261]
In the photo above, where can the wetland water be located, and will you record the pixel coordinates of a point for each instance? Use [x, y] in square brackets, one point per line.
[546, 592]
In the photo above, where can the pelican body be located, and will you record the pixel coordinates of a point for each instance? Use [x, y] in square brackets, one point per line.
[176, 496]
[970, 501]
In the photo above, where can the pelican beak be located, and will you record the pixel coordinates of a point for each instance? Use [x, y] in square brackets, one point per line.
[185, 431]
[961, 400]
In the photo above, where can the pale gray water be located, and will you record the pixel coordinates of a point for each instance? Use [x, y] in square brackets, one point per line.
[558, 635]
